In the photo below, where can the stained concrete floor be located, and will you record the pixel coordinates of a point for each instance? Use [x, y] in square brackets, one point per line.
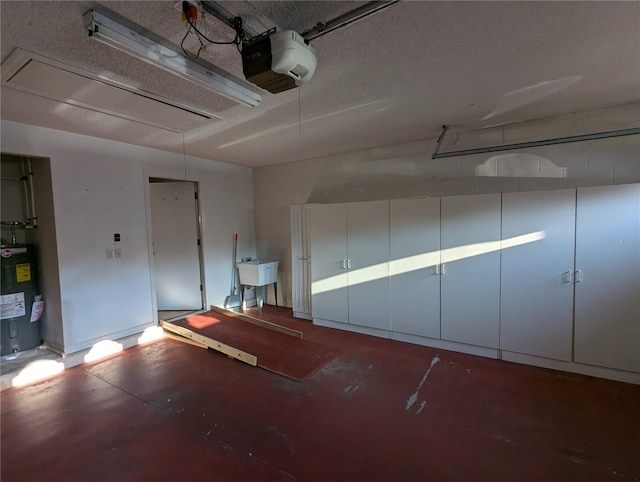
[17, 361]
[381, 411]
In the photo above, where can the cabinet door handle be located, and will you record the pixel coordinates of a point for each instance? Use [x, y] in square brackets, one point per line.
[349, 263]
[442, 268]
[344, 264]
[437, 269]
[566, 277]
[577, 276]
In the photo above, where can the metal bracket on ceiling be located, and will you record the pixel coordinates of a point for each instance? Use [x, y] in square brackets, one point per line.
[228, 19]
[439, 141]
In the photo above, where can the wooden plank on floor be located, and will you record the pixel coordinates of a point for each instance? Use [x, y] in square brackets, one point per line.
[182, 339]
[211, 343]
[258, 322]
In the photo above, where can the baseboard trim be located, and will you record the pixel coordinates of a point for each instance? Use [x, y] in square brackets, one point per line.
[572, 367]
[447, 345]
[78, 347]
[303, 315]
[364, 330]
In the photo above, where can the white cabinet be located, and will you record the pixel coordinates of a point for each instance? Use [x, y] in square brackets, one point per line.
[607, 289]
[349, 268]
[414, 283]
[445, 268]
[300, 262]
[329, 280]
[549, 278]
[368, 263]
[470, 269]
[538, 233]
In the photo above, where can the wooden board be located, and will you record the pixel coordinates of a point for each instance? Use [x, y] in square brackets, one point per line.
[256, 321]
[211, 343]
[182, 339]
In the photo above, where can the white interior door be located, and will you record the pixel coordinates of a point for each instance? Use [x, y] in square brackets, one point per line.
[470, 271]
[414, 284]
[607, 289]
[368, 248]
[538, 232]
[328, 233]
[175, 246]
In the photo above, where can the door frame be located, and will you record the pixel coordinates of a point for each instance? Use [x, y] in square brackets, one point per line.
[148, 179]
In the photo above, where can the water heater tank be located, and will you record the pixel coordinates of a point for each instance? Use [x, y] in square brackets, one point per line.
[21, 307]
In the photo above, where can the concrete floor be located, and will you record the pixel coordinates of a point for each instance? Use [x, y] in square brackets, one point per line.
[381, 411]
[17, 361]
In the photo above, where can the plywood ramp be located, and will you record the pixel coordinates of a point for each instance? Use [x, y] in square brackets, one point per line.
[256, 321]
[257, 342]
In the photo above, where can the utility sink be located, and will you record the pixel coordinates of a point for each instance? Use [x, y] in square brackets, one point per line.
[258, 273]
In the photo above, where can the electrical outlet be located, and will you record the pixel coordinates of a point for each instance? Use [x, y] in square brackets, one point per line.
[109, 253]
[117, 253]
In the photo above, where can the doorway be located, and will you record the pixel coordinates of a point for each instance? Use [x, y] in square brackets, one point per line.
[177, 256]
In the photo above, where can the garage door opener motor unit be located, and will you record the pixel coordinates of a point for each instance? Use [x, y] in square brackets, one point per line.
[278, 61]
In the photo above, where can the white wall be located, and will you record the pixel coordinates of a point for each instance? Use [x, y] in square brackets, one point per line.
[44, 238]
[407, 170]
[100, 187]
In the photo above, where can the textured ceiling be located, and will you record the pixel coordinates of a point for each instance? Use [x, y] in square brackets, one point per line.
[392, 77]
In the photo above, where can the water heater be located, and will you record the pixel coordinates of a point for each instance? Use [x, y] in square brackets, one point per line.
[21, 305]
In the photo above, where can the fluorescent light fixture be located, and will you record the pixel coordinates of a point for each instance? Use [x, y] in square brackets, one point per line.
[126, 40]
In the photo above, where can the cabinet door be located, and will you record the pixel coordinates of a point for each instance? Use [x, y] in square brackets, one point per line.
[414, 284]
[368, 241]
[470, 272]
[306, 253]
[328, 230]
[607, 289]
[298, 261]
[538, 232]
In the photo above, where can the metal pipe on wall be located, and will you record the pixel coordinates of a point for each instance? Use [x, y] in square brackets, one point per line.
[34, 218]
[525, 145]
[323, 28]
[25, 190]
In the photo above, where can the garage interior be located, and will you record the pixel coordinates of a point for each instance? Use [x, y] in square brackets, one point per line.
[441, 198]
